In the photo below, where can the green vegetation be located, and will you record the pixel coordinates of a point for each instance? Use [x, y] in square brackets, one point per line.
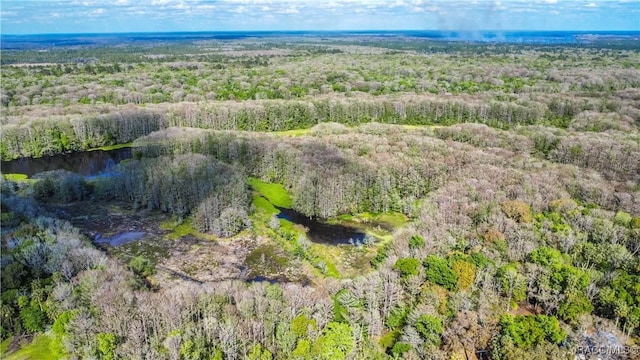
[39, 348]
[407, 267]
[497, 185]
[4, 345]
[112, 147]
[276, 194]
[527, 331]
[439, 272]
[16, 177]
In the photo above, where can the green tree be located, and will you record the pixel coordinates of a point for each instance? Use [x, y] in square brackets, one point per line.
[399, 349]
[430, 329]
[466, 273]
[407, 267]
[106, 346]
[258, 352]
[527, 331]
[439, 272]
[300, 325]
[335, 343]
[302, 350]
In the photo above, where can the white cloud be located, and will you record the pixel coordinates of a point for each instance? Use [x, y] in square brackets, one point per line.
[206, 7]
[174, 15]
[160, 2]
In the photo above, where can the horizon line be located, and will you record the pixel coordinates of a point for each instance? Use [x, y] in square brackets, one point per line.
[321, 31]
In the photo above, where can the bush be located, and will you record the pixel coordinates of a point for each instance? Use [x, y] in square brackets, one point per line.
[623, 219]
[416, 242]
[399, 349]
[381, 255]
[142, 266]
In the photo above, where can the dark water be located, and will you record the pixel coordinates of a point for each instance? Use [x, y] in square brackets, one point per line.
[321, 232]
[120, 239]
[93, 163]
[86, 163]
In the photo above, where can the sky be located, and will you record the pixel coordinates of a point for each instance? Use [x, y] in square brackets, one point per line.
[113, 16]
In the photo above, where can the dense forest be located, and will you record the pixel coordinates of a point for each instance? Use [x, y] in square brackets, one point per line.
[495, 189]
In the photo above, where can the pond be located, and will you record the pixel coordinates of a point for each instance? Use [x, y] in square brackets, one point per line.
[97, 162]
[86, 163]
[321, 232]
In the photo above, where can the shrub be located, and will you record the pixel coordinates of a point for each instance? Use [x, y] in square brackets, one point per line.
[416, 242]
[142, 266]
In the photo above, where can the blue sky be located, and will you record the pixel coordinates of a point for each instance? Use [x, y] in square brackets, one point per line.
[87, 16]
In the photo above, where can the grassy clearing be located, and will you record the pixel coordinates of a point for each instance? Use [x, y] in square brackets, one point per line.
[324, 258]
[392, 220]
[112, 147]
[39, 348]
[275, 193]
[182, 228]
[16, 177]
[263, 206]
[416, 127]
[292, 133]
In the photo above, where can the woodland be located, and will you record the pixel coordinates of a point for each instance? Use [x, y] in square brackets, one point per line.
[496, 188]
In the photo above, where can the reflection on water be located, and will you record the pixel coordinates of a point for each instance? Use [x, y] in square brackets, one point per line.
[321, 232]
[86, 163]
